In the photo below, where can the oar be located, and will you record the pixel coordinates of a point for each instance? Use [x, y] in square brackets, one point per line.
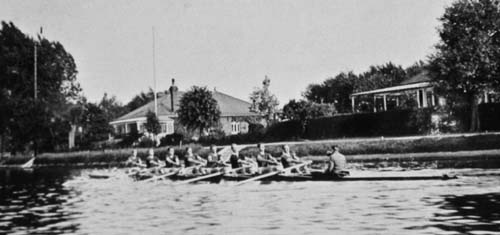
[271, 173]
[210, 175]
[162, 176]
[29, 163]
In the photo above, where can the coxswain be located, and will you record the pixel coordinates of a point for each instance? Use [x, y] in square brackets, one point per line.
[265, 161]
[133, 160]
[337, 163]
[172, 160]
[289, 158]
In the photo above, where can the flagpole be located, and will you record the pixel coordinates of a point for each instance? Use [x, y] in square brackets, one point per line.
[35, 71]
[154, 73]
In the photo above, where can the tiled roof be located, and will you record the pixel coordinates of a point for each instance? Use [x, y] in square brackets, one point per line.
[228, 105]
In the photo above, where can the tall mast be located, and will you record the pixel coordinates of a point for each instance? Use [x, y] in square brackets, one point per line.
[154, 73]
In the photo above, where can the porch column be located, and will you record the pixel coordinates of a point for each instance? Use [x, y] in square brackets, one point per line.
[374, 103]
[353, 104]
[138, 124]
[385, 102]
[424, 98]
[433, 99]
[126, 128]
[485, 96]
[418, 98]
[397, 101]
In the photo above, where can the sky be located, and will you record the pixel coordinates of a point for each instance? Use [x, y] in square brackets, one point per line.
[229, 45]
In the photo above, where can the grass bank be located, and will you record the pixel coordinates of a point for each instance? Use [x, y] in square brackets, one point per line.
[365, 151]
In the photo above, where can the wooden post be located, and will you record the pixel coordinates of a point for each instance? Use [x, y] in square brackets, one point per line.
[353, 104]
[385, 102]
[424, 98]
[374, 103]
[485, 96]
[418, 98]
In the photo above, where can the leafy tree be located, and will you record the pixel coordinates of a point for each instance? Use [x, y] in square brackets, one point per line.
[467, 60]
[152, 124]
[28, 121]
[334, 90]
[95, 125]
[111, 107]
[304, 111]
[140, 100]
[198, 110]
[380, 76]
[263, 101]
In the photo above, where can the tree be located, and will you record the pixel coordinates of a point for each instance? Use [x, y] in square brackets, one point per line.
[95, 125]
[334, 90]
[304, 111]
[380, 76]
[198, 110]
[467, 59]
[152, 124]
[140, 100]
[263, 101]
[57, 87]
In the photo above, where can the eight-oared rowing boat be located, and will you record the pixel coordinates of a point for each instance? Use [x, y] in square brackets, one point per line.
[294, 177]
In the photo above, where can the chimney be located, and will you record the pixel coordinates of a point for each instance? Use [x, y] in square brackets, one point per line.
[173, 93]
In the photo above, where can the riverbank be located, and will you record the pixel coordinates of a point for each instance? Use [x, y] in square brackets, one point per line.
[461, 148]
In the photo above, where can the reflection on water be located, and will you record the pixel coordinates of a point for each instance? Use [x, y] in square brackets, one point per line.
[67, 201]
[469, 213]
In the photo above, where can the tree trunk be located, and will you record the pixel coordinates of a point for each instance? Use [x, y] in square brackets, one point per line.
[474, 117]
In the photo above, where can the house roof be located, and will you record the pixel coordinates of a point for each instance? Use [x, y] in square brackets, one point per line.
[228, 105]
[420, 80]
[421, 77]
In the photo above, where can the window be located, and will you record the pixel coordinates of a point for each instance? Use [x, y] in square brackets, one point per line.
[163, 127]
[235, 128]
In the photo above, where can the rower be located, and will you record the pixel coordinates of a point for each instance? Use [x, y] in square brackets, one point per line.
[134, 160]
[172, 160]
[192, 160]
[236, 160]
[266, 161]
[214, 159]
[289, 159]
[152, 162]
[337, 163]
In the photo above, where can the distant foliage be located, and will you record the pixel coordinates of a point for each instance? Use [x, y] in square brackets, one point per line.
[337, 90]
[198, 110]
[263, 101]
[303, 111]
[28, 123]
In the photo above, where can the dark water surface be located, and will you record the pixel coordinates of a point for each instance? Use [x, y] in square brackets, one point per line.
[59, 201]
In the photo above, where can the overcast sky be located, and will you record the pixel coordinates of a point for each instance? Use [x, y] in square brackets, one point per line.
[230, 45]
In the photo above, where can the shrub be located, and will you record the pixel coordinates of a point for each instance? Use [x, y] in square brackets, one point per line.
[172, 139]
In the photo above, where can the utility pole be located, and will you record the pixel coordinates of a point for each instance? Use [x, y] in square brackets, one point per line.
[35, 69]
[154, 73]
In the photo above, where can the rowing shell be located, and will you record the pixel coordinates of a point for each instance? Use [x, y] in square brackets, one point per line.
[316, 176]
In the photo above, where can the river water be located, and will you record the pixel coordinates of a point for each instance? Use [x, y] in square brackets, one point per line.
[62, 201]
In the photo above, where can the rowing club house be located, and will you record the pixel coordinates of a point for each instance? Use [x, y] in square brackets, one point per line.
[418, 89]
[235, 114]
